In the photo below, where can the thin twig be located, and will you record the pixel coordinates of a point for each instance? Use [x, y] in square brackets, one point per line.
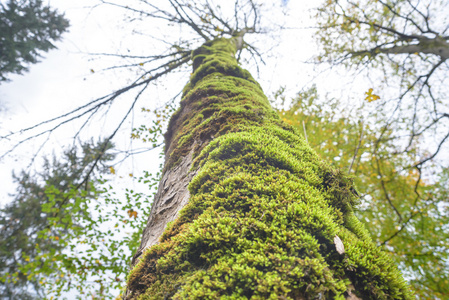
[356, 149]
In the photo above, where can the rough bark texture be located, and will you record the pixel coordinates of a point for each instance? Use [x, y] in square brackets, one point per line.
[266, 218]
[172, 195]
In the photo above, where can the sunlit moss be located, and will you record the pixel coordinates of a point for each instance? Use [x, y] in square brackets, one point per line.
[264, 209]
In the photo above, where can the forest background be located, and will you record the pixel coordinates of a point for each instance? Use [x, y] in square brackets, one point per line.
[343, 106]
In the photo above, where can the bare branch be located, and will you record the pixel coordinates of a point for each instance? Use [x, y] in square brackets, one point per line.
[180, 11]
[357, 148]
[423, 46]
[434, 153]
[94, 105]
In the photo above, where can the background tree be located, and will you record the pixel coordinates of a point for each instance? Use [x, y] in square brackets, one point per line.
[27, 29]
[30, 242]
[85, 227]
[407, 220]
[403, 46]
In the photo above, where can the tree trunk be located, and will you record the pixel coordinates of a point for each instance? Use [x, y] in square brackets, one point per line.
[246, 209]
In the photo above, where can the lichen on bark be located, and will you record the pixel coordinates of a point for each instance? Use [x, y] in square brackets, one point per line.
[264, 209]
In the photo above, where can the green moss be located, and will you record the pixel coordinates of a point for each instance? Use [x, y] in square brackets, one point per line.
[264, 209]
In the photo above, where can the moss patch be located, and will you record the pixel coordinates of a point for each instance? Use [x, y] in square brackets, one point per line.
[264, 209]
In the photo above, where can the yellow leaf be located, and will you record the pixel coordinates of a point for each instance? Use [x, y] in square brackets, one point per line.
[141, 64]
[92, 71]
[27, 259]
[132, 213]
[112, 170]
[370, 96]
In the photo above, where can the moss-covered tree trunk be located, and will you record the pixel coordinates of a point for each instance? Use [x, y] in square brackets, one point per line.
[246, 209]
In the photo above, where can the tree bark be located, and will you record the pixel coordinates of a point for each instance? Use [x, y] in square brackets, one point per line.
[246, 209]
[436, 46]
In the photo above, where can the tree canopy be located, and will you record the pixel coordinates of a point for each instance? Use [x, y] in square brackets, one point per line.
[48, 209]
[405, 218]
[28, 28]
[403, 46]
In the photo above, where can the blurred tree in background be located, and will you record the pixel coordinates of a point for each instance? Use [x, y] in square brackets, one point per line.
[409, 220]
[30, 242]
[28, 28]
[402, 46]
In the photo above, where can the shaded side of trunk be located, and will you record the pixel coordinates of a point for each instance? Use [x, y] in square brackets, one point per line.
[263, 216]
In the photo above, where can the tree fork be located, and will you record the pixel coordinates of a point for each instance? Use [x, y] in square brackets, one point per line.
[246, 209]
